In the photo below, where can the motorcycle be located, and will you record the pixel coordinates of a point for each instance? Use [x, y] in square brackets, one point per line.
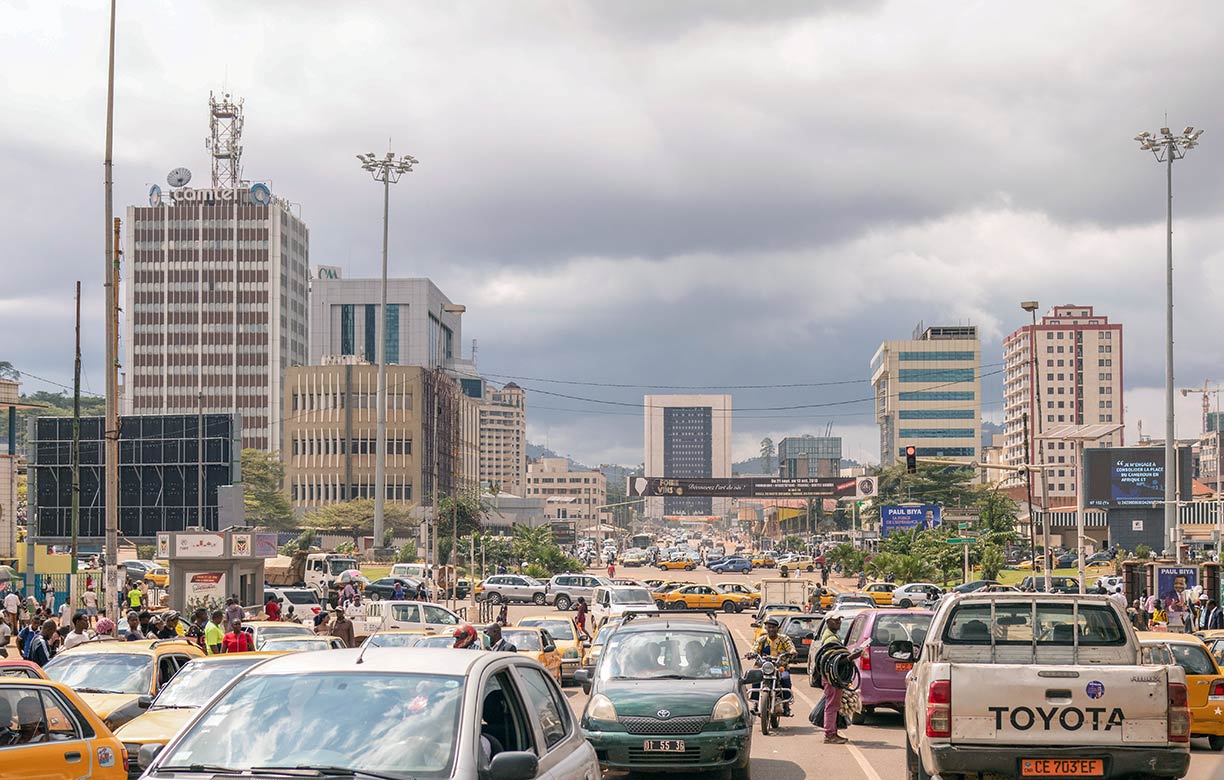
[771, 698]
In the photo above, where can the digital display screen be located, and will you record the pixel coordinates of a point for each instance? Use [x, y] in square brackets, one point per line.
[1130, 476]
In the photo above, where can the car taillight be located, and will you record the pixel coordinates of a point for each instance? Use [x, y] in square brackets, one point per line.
[1179, 713]
[1217, 690]
[939, 709]
[865, 660]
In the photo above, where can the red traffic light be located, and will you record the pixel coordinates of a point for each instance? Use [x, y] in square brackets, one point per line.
[911, 451]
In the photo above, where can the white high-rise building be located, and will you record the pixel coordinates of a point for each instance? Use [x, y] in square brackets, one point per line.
[687, 436]
[215, 305]
[1079, 378]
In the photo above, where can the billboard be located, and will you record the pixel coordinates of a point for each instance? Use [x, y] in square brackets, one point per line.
[906, 518]
[753, 487]
[1120, 477]
[1172, 582]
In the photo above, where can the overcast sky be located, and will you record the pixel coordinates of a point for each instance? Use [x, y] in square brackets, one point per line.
[689, 192]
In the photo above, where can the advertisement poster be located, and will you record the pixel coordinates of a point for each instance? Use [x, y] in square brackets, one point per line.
[199, 545]
[265, 546]
[1172, 582]
[906, 518]
[206, 587]
[754, 487]
[1130, 476]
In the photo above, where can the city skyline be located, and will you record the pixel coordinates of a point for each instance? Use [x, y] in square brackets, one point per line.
[627, 232]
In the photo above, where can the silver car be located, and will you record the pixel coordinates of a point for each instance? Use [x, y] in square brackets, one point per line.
[437, 713]
[565, 589]
[513, 587]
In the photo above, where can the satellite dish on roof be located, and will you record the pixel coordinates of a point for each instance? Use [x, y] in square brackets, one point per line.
[178, 177]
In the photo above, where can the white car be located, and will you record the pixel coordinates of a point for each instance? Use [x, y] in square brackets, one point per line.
[916, 594]
[619, 600]
[387, 614]
[1111, 582]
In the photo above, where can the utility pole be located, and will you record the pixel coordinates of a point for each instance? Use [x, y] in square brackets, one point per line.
[1028, 484]
[111, 279]
[76, 448]
[200, 454]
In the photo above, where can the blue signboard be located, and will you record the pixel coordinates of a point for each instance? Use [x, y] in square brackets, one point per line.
[905, 518]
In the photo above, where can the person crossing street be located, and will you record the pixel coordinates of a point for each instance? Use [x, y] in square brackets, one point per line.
[832, 693]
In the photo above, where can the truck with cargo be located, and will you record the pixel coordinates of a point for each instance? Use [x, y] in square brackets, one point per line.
[319, 571]
[779, 590]
[1039, 685]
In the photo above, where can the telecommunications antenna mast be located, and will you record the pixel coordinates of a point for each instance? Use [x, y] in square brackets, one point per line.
[225, 141]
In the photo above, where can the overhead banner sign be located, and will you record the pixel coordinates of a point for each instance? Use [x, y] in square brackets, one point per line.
[753, 487]
[907, 518]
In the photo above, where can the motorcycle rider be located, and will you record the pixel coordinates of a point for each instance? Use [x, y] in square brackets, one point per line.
[779, 647]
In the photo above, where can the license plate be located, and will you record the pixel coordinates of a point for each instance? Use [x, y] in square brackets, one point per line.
[904, 666]
[664, 745]
[1062, 767]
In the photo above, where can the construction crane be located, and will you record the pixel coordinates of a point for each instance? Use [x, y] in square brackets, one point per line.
[1206, 392]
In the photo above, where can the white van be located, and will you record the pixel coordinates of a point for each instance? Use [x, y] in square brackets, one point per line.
[387, 614]
[618, 600]
[414, 570]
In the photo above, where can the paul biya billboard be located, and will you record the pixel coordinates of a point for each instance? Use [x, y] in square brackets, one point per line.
[906, 518]
[753, 487]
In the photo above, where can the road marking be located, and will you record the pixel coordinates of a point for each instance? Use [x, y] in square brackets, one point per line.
[861, 760]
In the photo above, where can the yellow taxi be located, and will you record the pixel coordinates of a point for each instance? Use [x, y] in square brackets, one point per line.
[536, 644]
[118, 680]
[742, 589]
[1204, 682]
[678, 563]
[1099, 566]
[1026, 565]
[798, 563]
[178, 702]
[764, 560]
[564, 634]
[758, 627]
[881, 593]
[55, 735]
[590, 656]
[159, 576]
[397, 637]
[704, 597]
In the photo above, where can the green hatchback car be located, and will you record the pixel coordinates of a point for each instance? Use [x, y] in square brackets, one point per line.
[669, 695]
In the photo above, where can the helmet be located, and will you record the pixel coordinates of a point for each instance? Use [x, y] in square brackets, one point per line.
[465, 632]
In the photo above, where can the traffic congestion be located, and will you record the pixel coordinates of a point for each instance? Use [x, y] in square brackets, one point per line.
[735, 661]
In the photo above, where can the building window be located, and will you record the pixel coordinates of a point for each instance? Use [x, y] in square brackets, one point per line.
[935, 356]
[392, 344]
[347, 341]
[937, 433]
[370, 329]
[936, 414]
[936, 375]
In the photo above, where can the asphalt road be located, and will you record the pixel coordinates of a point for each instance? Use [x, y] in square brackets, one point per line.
[876, 750]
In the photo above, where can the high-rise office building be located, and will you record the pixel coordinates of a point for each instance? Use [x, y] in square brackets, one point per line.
[809, 456]
[423, 328]
[929, 394]
[215, 305]
[503, 439]
[687, 436]
[1079, 378]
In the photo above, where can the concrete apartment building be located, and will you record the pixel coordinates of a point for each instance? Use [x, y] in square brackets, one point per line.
[809, 456]
[687, 436]
[573, 496]
[215, 305]
[1079, 378]
[929, 394]
[503, 439]
[331, 433]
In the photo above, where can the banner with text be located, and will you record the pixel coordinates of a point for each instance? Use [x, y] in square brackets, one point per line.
[753, 487]
[906, 518]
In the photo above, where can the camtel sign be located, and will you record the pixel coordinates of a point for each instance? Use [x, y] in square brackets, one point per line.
[258, 195]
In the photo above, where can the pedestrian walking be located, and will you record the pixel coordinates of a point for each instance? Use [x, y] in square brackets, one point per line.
[135, 597]
[214, 634]
[611, 570]
[195, 631]
[133, 632]
[90, 600]
[233, 612]
[580, 618]
[12, 606]
[832, 693]
[272, 609]
[41, 650]
[343, 628]
[236, 640]
[498, 643]
[79, 633]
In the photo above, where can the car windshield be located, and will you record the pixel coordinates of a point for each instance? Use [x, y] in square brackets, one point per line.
[631, 596]
[890, 628]
[110, 672]
[393, 640]
[665, 654]
[289, 629]
[559, 629]
[440, 640]
[523, 640]
[338, 566]
[1193, 659]
[196, 683]
[295, 644]
[402, 725]
[1022, 623]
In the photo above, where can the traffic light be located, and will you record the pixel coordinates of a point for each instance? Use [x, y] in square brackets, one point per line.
[911, 459]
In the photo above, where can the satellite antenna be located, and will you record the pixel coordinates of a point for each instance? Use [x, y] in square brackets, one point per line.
[178, 177]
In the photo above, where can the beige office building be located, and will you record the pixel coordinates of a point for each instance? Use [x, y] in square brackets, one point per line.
[687, 436]
[503, 439]
[929, 394]
[570, 495]
[331, 434]
[1079, 378]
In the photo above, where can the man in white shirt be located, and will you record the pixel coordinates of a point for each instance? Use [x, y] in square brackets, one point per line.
[79, 633]
[1118, 598]
[65, 614]
[91, 603]
[12, 603]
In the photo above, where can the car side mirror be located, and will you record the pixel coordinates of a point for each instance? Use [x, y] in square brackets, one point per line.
[144, 701]
[550, 648]
[148, 752]
[901, 650]
[752, 677]
[583, 678]
[755, 624]
[808, 635]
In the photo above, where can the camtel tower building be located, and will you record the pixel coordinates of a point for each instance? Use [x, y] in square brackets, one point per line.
[216, 293]
[687, 436]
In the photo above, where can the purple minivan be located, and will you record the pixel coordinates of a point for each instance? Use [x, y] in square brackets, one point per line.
[883, 679]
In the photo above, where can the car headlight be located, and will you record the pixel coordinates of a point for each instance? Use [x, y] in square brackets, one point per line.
[600, 708]
[728, 707]
[768, 668]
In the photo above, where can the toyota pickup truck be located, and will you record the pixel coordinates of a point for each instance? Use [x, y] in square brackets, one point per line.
[1037, 685]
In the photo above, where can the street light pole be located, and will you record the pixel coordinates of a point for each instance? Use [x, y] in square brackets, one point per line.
[1168, 147]
[1035, 434]
[387, 170]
